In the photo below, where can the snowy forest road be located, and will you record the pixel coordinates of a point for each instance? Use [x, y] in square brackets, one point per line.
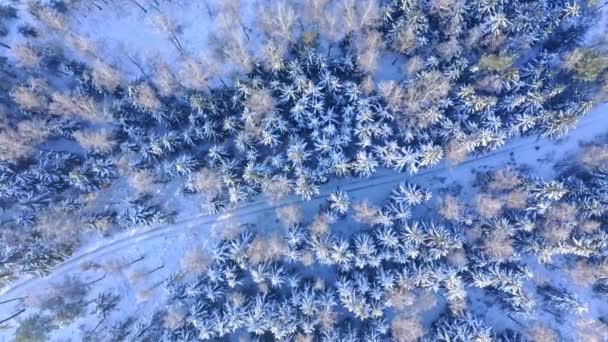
[525, 150]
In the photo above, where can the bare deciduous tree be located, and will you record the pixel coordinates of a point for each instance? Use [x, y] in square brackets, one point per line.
[584, 274]
[231, 36]
[457, 151]
[175, 317]
[499, 246]
[237, 53]
[27, 98]
[413, 66]
[88, 109]
[488, 206]
[27, 56]
[365, 212]
[139, 275]
[392, 93]
[83, 44]
[196, 73]
[59, 226]
[290, 215]
[541, 333]
[587, 63]
[591, 330]
[207, 182]
[273, 55]
[16, 144]
[368, 51]
[491, 83]
[594, 156]
[278, 19]
[458, 258]
[319, 225]
[331, 27]
[505, 179]
[166, 25]
[277, 188]
[51, 18]
[405, 39]
[560, 221]
[314, 10]
[359, 15]
[260, 104]
[105, 76]
[164, 80]
[100, 141]
[195, 261]
[420, 101]
[406, 328]
[116, 266]
[369, 13]
[516, 199]
[145, 98]
[449, 49]
[589, 227]
[33, 131]
[227, 229]
[266, 248]
[142, 181]
[450, 208]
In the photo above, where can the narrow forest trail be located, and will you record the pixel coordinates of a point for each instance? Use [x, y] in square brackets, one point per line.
[525, 150]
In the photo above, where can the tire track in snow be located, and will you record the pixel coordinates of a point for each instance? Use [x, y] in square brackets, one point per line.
[260, 205]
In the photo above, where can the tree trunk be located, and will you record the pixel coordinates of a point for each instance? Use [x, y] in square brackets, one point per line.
[13, 316]
[599, 8]
[516, 321]
[154, 270]
[140, 6]
[552, 266]
[96, 280]
[551, 312]
[138, 66]
[177, 43]
[157, 284]
[208, 9]
[12, 300]
[244, 30]
[98, 324]
[136, 260]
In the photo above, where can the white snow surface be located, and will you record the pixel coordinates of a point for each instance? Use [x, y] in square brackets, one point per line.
[121, 31]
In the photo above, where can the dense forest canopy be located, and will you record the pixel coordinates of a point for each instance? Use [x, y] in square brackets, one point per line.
[272, 100]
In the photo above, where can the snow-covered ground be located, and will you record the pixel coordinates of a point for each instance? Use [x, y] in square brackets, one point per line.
[132, 39]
